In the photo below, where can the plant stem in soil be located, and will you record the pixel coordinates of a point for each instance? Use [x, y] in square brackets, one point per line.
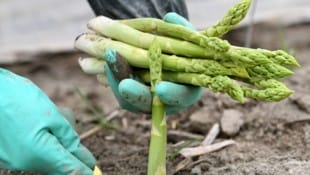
[158, 143]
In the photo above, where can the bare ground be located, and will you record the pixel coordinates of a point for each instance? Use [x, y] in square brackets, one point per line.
[274, 139]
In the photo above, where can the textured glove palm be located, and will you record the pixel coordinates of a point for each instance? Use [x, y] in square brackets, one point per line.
[34, 135]
[136, 96]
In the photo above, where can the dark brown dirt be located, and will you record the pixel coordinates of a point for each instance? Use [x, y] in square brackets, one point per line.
[275, 139]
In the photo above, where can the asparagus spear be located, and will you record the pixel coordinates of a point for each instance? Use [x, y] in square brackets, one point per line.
[158, 144]
[278, 57]
[96, 46]
[268, 90]
[217, 84]
[123, 32]
[267, 71]
[230, 20]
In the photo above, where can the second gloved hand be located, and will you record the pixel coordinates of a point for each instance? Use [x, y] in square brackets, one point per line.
[136, 96]
[34, 135]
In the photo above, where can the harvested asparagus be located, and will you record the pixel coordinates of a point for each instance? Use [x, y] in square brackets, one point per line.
[208, 61]
[125, 33]
[268, 90]
[137, 57]
[114, 29]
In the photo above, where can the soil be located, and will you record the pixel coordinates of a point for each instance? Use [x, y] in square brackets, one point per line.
[274, 139]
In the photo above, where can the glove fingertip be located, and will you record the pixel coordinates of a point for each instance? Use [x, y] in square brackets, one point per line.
[110, 55]
[177, 94]
[69, 115]
[175, 18]
[85, 156]
[136, 94]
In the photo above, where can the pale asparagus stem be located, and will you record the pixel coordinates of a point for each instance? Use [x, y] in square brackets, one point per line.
[158, 143]
[121, 32]
[177, 31]
[221, 84]
[92, 65]
[137, 57]
[230, 20]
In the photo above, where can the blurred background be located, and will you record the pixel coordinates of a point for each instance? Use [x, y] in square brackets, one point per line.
[50, 26]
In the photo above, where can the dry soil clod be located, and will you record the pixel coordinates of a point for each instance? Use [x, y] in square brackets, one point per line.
[231, 122]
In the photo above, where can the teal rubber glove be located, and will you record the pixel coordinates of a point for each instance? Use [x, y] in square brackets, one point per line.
[136, 96]
[34, 135]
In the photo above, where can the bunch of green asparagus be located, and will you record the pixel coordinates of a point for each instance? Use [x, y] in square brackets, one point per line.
[199, 58]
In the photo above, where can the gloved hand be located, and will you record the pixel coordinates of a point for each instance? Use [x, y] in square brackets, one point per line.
[136, 96]
[34, 135]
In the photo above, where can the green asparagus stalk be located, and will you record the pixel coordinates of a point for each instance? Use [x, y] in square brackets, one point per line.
[119, 31]
[158, 143]
[268, 90]
[221, 84]
[137, 57]
[230, 20]
[152, 25]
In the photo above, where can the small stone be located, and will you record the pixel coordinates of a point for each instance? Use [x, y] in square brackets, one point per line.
[231, 122]
[201, 116]
[196, 170]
